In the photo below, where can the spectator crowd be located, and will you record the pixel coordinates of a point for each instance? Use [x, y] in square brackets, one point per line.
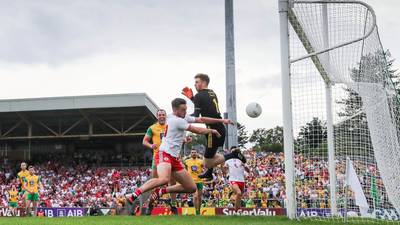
[75, 183]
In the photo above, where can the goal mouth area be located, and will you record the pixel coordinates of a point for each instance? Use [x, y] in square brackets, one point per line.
[336, 58]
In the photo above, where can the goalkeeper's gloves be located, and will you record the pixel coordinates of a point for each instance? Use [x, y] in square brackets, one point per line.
[188, 93]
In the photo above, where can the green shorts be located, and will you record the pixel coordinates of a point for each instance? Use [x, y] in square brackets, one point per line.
[153, 165]
[32, 197]
[199, 186]
[13, 204]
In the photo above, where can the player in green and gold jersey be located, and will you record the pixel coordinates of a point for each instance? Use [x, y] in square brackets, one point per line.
[13, 199]
[32, 184]
[20, 177]
[194, 165]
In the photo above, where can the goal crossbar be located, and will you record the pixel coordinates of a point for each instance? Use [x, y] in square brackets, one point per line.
[311, 53]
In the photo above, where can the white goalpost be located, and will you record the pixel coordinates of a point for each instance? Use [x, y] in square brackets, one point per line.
[340, 113]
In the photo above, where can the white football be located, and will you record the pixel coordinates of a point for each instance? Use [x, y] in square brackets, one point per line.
[253, 110]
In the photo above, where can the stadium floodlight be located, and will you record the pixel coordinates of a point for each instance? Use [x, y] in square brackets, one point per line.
[339, 103]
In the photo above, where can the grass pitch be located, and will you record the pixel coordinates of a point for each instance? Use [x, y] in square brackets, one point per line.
[166, 220]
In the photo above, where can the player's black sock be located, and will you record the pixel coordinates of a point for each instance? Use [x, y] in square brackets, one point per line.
[149, 209]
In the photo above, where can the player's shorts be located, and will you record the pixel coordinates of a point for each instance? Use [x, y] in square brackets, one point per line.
[13, 204]
[214, 142]
[199, 186]
[238, 183]
[32, 197]
[163, 157]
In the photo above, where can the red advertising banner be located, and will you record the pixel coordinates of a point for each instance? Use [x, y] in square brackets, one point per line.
[164, 211]
[250, 211]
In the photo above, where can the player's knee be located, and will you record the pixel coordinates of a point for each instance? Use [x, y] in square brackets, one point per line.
[192, 189]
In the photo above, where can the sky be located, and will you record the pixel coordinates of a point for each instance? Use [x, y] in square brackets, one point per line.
[68, 48]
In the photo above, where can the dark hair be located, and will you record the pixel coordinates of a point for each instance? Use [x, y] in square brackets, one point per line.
[177, 102]
[30, 167]
[161, 110]
[203, 77]
[233, 148]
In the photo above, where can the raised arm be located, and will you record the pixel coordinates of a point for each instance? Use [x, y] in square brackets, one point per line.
[188, 92]
[197, 106]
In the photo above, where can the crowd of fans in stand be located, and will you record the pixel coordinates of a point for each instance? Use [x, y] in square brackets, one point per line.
[81, 185]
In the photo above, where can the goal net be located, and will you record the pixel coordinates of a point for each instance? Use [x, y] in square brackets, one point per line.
[345, 113]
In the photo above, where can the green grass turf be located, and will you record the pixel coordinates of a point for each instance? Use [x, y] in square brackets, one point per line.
[168, 220]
